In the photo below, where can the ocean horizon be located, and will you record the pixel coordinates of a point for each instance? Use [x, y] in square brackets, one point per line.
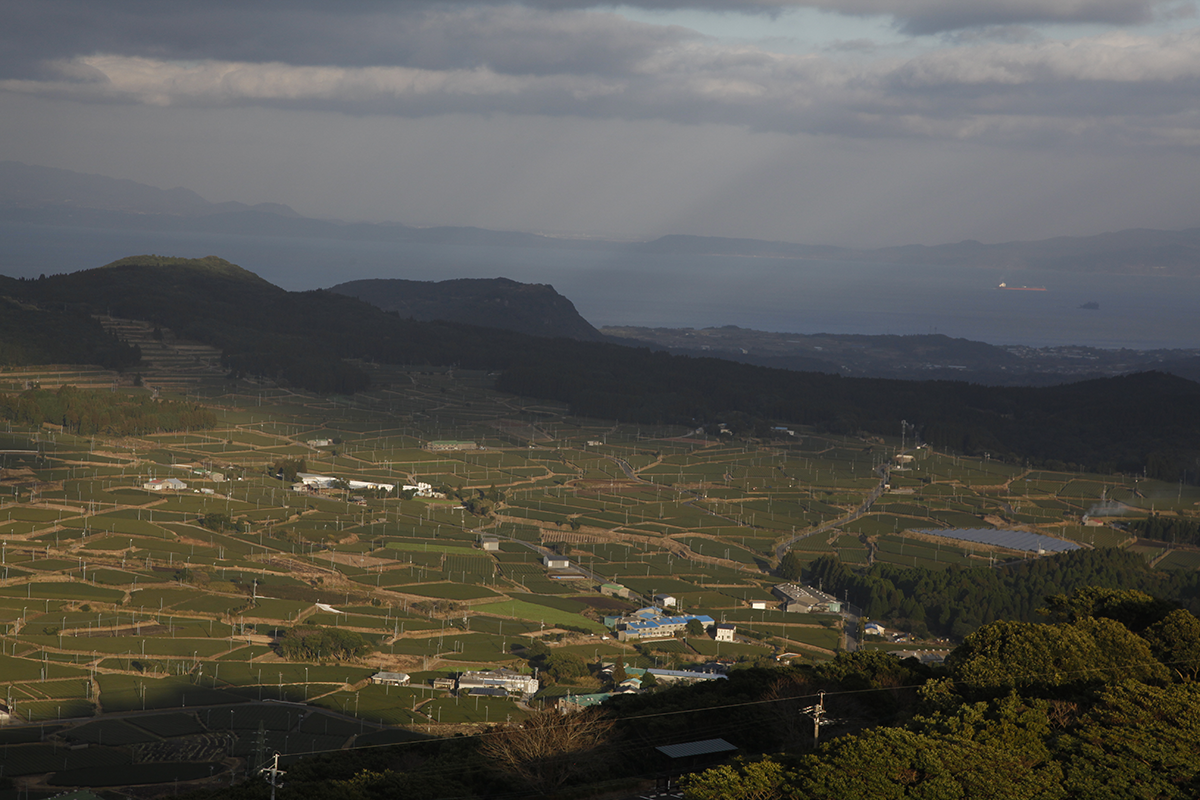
[653, 290]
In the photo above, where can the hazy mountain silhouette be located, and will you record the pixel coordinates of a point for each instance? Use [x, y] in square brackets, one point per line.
[48, 196]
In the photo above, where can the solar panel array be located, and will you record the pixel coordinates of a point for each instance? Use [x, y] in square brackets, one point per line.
[1013, 540]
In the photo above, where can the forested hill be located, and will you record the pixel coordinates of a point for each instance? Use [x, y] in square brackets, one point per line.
[30, 334]
[1145, 421]
[955, 601]
[531, 308]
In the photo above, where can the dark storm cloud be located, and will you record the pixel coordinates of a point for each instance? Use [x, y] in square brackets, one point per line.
[507, 38]
[441, 34]
[1117, 88]
[1002, 85]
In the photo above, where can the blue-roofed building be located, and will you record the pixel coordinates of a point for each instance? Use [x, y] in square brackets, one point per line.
[658, 627]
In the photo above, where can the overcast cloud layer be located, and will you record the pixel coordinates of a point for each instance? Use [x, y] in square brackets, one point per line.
[1039, 81]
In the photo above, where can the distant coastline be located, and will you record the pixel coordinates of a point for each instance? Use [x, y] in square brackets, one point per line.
[674, 291]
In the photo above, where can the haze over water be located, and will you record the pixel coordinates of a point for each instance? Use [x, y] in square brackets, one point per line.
[688, 291]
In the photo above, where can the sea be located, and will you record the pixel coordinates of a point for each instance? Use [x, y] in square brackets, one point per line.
[625, 288]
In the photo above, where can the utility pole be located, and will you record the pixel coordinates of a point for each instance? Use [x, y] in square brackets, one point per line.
[817, 713]
[273, 772]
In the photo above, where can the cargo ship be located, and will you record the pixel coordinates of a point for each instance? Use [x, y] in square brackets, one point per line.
[1021, 288]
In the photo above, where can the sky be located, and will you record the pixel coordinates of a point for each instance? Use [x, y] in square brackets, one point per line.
[847, 122]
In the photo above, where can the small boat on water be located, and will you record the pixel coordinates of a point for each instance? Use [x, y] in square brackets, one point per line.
[1021, 288]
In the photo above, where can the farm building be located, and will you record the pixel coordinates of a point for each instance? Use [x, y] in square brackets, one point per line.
[724, 632]
[313, 481]
[489, 543]
[444, 445]
[555, 562]
[685, 676]
[666, 600]
[680, 759]
[164, 485]
[511, 682]
[577, 702]
[390, 678]
[924, 656]
[806, 599]
[387, 487]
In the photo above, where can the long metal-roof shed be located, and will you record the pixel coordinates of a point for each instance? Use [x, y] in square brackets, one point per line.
[1013, 540]
[702, 748]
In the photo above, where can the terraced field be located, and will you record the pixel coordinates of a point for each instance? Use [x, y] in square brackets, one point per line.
[147, 623]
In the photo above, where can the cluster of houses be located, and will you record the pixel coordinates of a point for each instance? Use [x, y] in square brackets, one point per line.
[792, 596]
[648, 623]
[657, 621]
[895, 637]
[508, 683]
[309, 480]
[176, 485]
[313, 483]
[495, 682]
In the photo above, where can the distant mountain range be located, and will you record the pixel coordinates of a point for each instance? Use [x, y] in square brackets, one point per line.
[47, 196]
[47, 189]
